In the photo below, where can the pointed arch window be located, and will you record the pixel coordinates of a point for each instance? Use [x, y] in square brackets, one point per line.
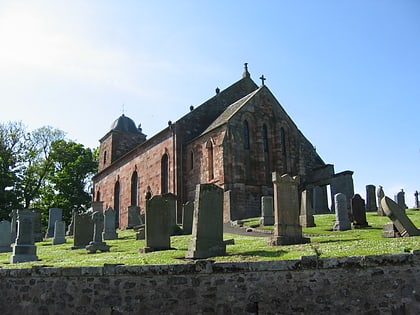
[191, 159]
[134, 189]
[246, 135]
[104, 157]
[209, 146]
[165, 174]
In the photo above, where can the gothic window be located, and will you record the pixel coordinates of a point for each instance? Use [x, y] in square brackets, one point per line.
[246, 135]
[134, 189]
[165, 174]
[209, 146]
[283, 148]
[104, 157]
[117, 202]
[191, 159]
[98, 196]
[265, 138]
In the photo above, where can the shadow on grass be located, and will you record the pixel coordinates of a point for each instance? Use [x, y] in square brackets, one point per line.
[261, 253]
[335, 241]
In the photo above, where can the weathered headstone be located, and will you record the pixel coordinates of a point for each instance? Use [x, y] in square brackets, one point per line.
[380, 194]
[390, 231]
[158, 225]
[97, 243]
[287, 229]
[37, 225]
[24, 249]
[187, 217]
[13, 225]
[416, 199]
[358, 211]
[59, 233]
[70, 228]
[5, 241]
[171, 204]
[83, 230]
[371, 198]
[342, 222]
[400, 219]
[267, 211]
[400, 199]
[207, 232]
[55, 214]
[133, 217]
[306, 217]
[109, 232]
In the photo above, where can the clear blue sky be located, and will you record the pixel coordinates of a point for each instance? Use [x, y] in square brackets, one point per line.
[347, 72]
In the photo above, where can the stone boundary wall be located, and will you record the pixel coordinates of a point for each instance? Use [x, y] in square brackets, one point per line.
[387, 284]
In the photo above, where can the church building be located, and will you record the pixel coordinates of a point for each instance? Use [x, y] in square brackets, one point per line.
[235, 139]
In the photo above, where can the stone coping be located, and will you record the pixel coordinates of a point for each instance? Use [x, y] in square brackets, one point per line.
[210, 266]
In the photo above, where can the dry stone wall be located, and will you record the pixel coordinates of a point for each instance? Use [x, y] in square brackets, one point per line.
[387, 284]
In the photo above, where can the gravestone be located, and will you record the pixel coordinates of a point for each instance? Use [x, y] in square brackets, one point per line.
[13, 225]
[416, 200]
[306, 217]
[390, 231]
[158, 227]
[83, 230]
[133, 217]
[380, 194]
[109, 232]
[400, 219]
[171, 204]
[287, 229]
[267, 211]
[98, 226]
[187, 217]
[342, 222]
[37, 225]
[70, 228]
[59, 233]
[5, 241]
[371, 198]
[97, 206]
[24, 249]
[207, 232]
[358, 211]
[400, 199]
[55, 214]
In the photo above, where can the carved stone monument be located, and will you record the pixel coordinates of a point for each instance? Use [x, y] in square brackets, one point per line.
[133, 217]
[83, 230]
[5, 241]
[400, 199]
[59, 233]
[371, 198]
[358, 211]
[187, 217]
[109, 232]
[37, 225]
[267, 211]
[97, 242]
[342, 222]
[306, 217]
[24, 249]
[55, 214]
[380, 194]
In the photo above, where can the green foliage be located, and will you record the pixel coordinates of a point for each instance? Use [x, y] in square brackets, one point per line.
[324, 243]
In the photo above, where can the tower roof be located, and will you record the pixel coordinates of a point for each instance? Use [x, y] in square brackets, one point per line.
[124, 123]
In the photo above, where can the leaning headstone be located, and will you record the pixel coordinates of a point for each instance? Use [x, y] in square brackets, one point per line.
[342, 222]
[55, 214]
[59, 233]
[187, 217]
[400, 200]
[287, 229]
[97, 242]
[400, 219]
[158, 226]
[267, 211]
[358, 211]
[24, 249]
[109, 232]
[5, 241]
[83, 230]
[380, 194]
[371, 198]
[133, 217]
[207, 232]
[306, 217]
[416, 199]
[13, 225]
[37, 225]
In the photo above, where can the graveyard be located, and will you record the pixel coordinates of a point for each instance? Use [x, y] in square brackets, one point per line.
[324, 242]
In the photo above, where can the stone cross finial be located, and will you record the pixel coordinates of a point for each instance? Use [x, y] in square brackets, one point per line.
[262, 78]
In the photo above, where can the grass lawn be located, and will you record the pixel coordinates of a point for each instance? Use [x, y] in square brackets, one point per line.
[324, 241]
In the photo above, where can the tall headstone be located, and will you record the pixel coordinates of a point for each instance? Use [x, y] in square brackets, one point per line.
[133, 217]
[13, 225]
[306, 217]
[400, 219]
[187, 217]
[59, 233]
[342, 222]
[207, 231]
[171, 204]
[24, 249]
[358, 212]
[37, 225]
[380, 194]
[416, 199]
[55, 214]
[97, 243]
[109, 232]
[400, 199]
[5, 241]
[371, 198]
[287, 229]
[158, 226]
[83, 230]
[267, 211]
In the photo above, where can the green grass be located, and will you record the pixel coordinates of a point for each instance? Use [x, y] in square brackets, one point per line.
[324, 241]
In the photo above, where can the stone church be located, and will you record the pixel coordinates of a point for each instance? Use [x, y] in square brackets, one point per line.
[235, 139]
